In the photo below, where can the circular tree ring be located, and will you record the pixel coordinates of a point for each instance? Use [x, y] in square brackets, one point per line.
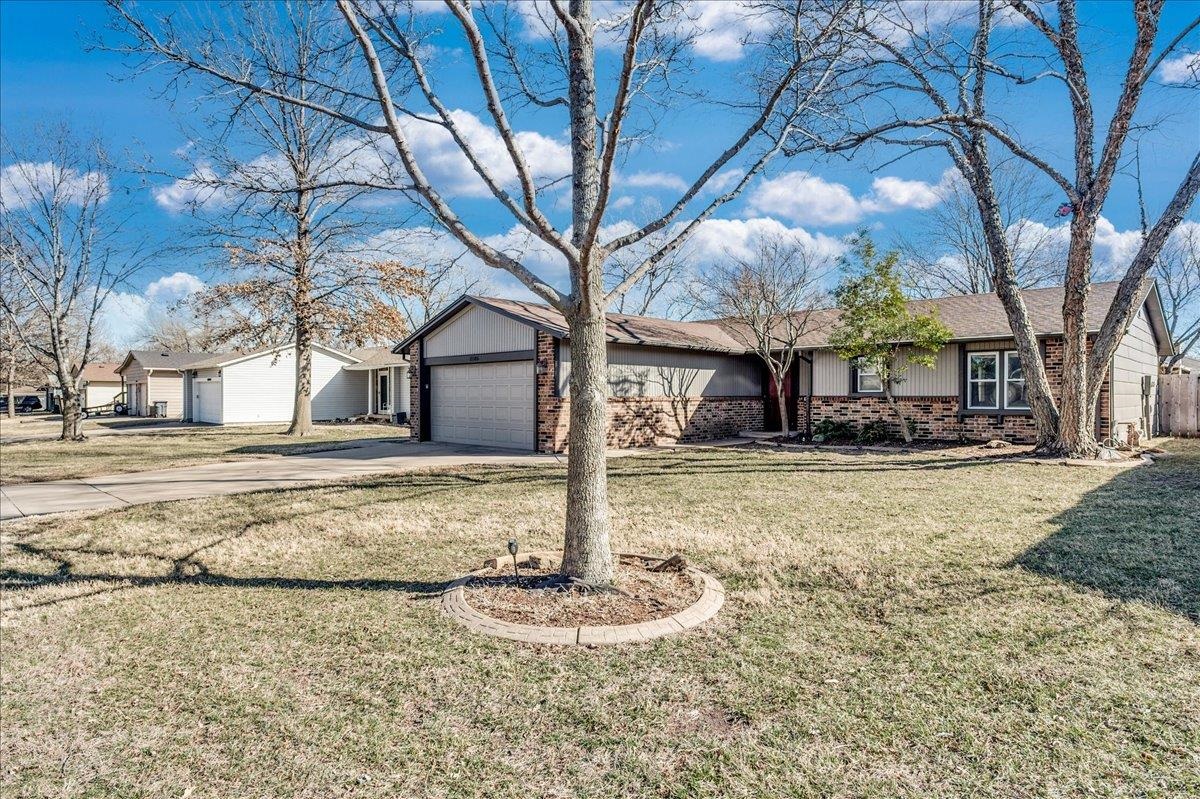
[712, 596]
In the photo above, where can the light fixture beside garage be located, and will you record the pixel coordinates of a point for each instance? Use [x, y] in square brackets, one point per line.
[542, 367]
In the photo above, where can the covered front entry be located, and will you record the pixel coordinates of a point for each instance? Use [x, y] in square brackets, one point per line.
[486, 404]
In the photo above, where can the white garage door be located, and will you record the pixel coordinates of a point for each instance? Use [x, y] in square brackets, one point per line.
[207, 401]
[489, 404]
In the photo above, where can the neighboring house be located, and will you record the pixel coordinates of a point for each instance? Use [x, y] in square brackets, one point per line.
[24, 396]
[260, 387]
[153, 376]
[100, 383]
[496, 372]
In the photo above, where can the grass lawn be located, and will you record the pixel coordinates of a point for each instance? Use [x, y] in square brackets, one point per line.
[161, 449]
[897, 626]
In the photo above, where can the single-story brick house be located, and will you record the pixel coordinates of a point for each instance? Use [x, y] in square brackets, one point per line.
[495, 372]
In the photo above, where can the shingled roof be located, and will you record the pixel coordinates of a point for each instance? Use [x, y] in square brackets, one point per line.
[970, 316]
[165, 359]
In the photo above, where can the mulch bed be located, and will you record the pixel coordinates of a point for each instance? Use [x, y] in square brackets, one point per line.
[644, 596]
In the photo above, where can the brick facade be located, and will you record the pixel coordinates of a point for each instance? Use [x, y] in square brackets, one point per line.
[938, 418]
[414, 389]
[640, 421]
[650, 421]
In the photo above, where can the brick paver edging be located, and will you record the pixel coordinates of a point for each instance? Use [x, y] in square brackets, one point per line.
[712, 596]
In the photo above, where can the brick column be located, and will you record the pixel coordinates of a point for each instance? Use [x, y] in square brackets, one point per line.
[414, 390]
[552, 412]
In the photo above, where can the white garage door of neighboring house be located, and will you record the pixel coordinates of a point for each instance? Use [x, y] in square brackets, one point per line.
[488, 404]
[206, 401]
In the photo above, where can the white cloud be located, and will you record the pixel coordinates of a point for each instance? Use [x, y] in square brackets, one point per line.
[621, 203]
[125, 315]
[893, 194]
[1183, 68]
[194, 191]
[721, 31]
[715, 239]
[808, 199]
[654, 180]
[174, 287]
[723, 180]
[25, 183]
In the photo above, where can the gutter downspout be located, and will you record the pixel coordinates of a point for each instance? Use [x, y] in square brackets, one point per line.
[808, 405]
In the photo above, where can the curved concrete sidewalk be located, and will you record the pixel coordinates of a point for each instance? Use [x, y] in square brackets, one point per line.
[235, 477]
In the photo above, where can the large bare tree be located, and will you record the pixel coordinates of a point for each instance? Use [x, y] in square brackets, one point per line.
[68, 244]
[769, 295]
[640, 75]
[932, 86]
[278, 187]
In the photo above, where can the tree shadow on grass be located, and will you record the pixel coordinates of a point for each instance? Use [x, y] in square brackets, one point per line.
[1135, 539]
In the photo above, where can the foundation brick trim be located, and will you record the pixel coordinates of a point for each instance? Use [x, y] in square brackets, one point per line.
[640, 421]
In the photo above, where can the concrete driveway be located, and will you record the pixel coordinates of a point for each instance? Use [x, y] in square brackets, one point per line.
[235, 477]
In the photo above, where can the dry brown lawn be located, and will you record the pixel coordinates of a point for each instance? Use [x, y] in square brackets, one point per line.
[898, 626]
[36, 461]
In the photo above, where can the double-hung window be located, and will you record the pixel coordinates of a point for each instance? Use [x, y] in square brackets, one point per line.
[1015, 397]
[866, 380]
[995, 381]
[983, 380]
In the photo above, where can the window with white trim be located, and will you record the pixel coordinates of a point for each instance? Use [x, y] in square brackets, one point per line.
[983, 380]
[866, 380]
[1015, 397]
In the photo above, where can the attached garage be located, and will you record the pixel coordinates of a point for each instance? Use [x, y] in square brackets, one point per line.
[486, 404]
[495, 372]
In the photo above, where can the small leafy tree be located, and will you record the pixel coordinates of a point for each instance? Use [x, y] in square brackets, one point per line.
[876, 328]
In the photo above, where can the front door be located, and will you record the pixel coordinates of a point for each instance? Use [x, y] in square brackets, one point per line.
[771, 406]
[385, 396]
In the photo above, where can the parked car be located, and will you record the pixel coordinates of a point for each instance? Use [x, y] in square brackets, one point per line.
[26, 404]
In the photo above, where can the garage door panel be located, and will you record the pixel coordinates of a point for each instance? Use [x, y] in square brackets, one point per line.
[488, 404]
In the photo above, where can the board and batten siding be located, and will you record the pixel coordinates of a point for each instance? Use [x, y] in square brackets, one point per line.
[1136, 358]
[831, 376]
[639, 371]
[476, 330]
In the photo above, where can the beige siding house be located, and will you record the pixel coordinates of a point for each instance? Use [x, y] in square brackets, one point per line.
[150, 378]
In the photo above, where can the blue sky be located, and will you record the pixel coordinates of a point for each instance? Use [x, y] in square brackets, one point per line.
[46, 72]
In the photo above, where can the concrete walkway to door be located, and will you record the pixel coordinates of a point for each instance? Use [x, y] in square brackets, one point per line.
[235, 477]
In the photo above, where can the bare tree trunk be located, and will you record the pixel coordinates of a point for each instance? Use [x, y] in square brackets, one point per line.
[302, 409]
[1076, 421]
[780, 395]
[72, 421]
[302, 303]
[12, 396]
[895, 406]
[587, 553]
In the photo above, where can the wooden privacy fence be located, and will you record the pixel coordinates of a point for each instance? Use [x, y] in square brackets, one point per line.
[1179, 405]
